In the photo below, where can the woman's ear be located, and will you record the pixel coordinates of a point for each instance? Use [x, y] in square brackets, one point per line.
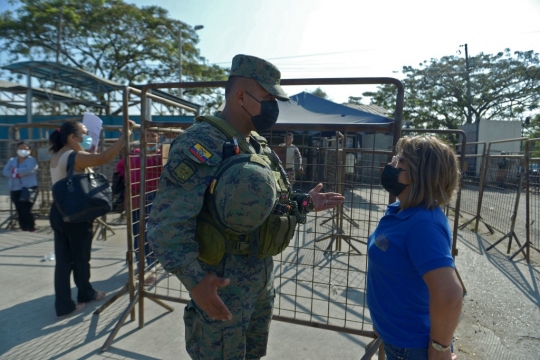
[72, 137]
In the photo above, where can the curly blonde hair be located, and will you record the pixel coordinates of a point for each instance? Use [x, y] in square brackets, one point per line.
[432, 169]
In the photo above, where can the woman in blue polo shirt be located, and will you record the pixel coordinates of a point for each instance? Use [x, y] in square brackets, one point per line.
[413, 293]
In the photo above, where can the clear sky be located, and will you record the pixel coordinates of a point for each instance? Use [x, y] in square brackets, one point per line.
[353, 38]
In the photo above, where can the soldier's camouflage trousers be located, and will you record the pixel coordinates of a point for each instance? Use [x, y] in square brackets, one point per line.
[249, 297]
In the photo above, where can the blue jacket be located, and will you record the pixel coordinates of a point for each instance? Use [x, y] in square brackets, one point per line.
[26, 171]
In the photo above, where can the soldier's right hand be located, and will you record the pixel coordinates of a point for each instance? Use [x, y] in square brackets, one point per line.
[206, 296]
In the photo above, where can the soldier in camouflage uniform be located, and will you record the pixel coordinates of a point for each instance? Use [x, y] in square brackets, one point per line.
[232, 301]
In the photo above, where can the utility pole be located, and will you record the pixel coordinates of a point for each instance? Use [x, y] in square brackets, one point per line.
[58, 50]
[59, 35]
[179, 36]
[179, 39]
[469, 106]
[468, 78]
[469, 100]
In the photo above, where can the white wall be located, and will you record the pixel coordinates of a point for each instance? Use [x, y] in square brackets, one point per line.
[492, 131]
[501, 130]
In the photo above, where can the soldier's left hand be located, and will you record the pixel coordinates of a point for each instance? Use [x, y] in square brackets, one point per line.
[325, 201]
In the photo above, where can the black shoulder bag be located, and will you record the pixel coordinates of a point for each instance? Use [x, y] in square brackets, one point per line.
[82, 197]
[28, 195]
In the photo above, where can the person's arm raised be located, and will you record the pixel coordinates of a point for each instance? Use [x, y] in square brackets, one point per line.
[85, 159]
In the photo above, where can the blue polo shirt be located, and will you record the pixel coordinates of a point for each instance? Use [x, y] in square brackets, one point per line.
[405, 246]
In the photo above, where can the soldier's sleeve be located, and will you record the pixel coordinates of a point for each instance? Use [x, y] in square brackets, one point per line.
[180, 197]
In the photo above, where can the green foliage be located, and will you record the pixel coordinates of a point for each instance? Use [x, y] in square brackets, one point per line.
[355, 100]
[504, 86]
[532, 131]
[320, 93]
[109, 38]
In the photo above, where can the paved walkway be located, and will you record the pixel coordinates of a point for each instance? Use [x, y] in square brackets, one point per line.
[501, 314]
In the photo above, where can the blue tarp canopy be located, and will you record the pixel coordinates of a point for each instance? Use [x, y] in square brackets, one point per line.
[308, 108]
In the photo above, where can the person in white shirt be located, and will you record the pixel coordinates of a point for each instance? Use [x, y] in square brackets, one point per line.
[293, 158]
[73, 241]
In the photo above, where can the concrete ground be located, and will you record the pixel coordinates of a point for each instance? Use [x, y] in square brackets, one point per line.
[501, 309]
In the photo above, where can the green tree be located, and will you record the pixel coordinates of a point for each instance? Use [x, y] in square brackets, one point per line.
[109, 38]
[355, 100]
[320, 93]
[504, 86]
[531, 129]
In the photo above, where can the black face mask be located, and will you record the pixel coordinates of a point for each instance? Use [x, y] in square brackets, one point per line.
[268, 116]
[389, 180]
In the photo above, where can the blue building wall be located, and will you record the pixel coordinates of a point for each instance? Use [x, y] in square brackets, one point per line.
[107, 120]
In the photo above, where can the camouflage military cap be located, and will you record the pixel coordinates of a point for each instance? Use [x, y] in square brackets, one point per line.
[242, 194]
[265, 73]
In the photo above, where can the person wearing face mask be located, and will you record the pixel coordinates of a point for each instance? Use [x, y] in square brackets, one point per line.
[21, 171]
[73, 241]
[413, 293]
[229, 274]
[154, 164]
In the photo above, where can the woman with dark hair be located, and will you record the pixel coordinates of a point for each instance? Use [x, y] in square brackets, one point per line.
[73, 241]
[413, 293]
[21, 171]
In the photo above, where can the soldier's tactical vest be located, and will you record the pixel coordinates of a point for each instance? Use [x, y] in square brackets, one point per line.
[275, 233]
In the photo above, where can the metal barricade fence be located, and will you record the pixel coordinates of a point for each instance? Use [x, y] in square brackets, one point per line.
[5, 155]
[320, 277]
[137, 205]
[531, 173]
[501, 192]
[473, 163]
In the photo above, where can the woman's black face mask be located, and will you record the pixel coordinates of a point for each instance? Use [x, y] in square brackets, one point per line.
[389, 180]
[268, 116]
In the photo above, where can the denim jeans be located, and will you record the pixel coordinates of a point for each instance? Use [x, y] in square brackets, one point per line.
[397, 353]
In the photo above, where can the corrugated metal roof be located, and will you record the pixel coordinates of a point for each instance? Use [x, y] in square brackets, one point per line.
[11, 105]
[66, 75]
[372, 109]
[40, 93]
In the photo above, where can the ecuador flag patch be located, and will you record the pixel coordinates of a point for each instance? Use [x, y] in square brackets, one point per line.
[200, 152]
